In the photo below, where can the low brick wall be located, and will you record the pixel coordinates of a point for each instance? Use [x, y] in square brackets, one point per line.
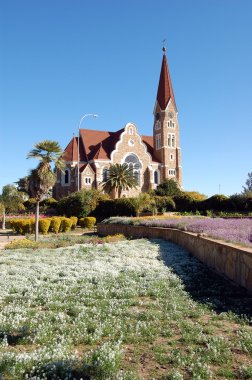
[227, 259]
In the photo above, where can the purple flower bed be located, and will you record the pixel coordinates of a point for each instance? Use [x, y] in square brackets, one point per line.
[232, 230]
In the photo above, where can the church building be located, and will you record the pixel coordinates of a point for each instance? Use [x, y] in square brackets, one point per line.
[152, 158]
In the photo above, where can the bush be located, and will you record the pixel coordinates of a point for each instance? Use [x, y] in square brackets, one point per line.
[113, 207]
[44, 225]
[22, 226]
[74, 220]
[21, 243]
[186, 203]
[164, 203]
[55, 224]
[80, 203]
[87, 222]
[217, 202]
[66, 224]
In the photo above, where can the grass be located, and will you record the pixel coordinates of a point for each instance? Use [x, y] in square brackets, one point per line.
[124, 310]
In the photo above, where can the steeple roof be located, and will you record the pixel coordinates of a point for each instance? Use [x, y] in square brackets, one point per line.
[165, 91]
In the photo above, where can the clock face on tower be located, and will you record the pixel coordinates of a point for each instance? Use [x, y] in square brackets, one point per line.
[171, 115]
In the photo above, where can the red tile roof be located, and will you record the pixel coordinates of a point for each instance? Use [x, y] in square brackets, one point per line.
[71, 151]
[99, 145]
[165, 91]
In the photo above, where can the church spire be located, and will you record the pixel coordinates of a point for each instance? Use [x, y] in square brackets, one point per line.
[165, 91]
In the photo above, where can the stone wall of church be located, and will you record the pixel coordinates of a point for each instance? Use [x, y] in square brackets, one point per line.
[131, 143]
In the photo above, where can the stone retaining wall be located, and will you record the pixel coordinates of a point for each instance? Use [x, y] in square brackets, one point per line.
[229, 260]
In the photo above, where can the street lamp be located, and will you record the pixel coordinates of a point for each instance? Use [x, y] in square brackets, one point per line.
[78, 163]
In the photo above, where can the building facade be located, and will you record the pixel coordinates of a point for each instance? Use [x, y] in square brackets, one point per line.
[152, 158]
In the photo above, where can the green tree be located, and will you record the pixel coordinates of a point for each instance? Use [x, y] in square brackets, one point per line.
[120, 178]
[43, 178]
[11, 200]
[168, 187]
[247, 189]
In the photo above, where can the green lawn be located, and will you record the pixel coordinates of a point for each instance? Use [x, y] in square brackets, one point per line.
[127, 310]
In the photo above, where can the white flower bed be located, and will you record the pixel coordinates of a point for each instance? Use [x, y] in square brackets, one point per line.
[55, 301]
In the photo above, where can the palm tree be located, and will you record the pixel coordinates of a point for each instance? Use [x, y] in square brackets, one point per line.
[120, 178]
[43, 178]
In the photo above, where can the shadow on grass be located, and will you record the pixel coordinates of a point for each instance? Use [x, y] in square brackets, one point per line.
[203, 284]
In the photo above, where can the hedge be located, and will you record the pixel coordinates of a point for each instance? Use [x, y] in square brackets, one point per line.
[87, 222]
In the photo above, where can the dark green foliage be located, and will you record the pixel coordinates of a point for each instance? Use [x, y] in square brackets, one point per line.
[185, 202]
[217, 202]
[114, 207]
[80, 203]
[240, 203]
[169, 187]
[164, 202]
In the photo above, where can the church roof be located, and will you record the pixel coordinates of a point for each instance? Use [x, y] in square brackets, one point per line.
[71, 151]
[165, 91]
[98, 145]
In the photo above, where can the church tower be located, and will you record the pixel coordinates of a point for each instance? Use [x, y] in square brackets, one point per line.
[166, 128]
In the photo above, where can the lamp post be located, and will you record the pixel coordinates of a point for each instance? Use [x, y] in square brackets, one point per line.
[78, 163]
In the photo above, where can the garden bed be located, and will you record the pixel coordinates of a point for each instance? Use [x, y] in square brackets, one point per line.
[129, 310]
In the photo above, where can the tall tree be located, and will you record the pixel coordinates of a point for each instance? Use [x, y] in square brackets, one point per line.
[11, 200]
[247, 189]
[120, 178]
[43, 178]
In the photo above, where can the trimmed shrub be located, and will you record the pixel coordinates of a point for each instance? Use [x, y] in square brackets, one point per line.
[66, 224]
[44, 225]
[55, 224]
[21, 226]
[74, 220]
[87, 222]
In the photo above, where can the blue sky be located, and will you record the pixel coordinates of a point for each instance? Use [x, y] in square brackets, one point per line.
[60, 59]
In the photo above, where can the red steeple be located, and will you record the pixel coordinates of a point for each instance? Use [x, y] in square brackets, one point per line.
[165, 92]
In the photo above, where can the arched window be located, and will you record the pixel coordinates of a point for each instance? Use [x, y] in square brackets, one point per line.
[133, 162]
[131, 130]
[66, 177]
[105, 174]
[156, 177]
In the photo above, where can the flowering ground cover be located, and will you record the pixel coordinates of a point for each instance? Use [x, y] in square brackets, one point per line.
[129, 310]
[231, 230]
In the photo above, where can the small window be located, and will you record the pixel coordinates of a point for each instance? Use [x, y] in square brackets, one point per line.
[131, 130]
[171, 157]
[171, 172]
[105, 174]
[66, 179]
[88, 180]
[157, 124]
[158, 141]
[170, 124]
[156, 177]
[171, 140]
